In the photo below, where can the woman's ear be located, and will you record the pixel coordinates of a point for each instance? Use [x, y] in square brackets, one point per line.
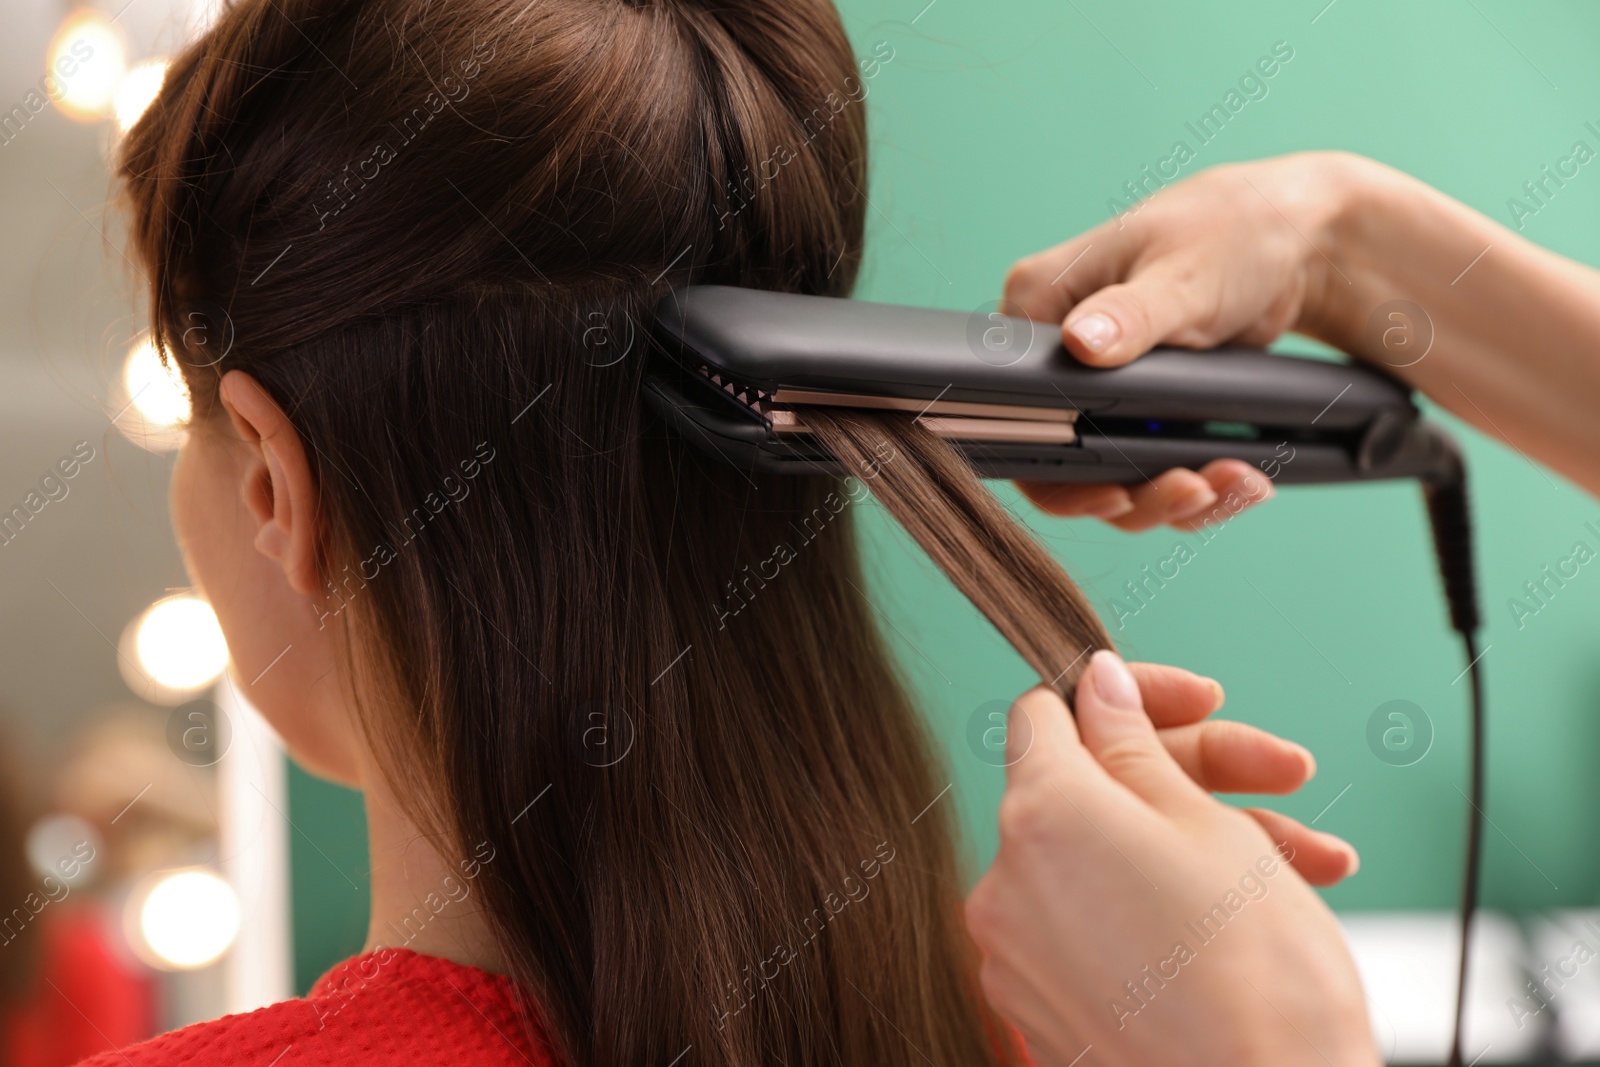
[276, 485]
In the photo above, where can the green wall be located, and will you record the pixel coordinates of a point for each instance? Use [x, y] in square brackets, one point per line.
[1001, 128]
[328, 883]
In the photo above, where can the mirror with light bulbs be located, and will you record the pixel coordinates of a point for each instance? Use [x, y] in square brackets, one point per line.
[143, 806]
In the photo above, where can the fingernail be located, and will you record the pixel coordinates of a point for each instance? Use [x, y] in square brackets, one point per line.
[1111, 508]
[1218, 697]
[1190, 506]
[1355, 860]
[1114, 682]
[1097, 332]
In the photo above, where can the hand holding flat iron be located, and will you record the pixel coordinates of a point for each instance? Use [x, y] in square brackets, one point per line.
[1351, 253]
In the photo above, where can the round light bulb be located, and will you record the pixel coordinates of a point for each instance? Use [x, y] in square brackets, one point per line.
[85, 65]
[188, 919]
[155, 388]
[179, 647]
[63, 846]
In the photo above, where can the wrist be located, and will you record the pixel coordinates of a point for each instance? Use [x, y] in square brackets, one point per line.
[1366, 206]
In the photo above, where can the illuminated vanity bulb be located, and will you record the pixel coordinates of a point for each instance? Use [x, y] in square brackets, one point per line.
[155, 388]
[176, 648]
[137, 91]
[86, 62]
[186, 919]
[154, 407]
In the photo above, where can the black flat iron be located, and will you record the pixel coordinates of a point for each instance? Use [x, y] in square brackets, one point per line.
[736, 369]
[741, 365]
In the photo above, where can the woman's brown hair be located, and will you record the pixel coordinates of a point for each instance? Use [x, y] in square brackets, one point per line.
[433, 232]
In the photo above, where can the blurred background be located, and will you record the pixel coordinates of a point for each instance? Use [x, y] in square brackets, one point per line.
[163, 864]
[145, 833]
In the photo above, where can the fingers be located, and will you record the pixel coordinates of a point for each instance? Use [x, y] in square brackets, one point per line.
[1040, 734]
[1045, 286]
[1182, 498]
[1113, 325]
[1221, 757]
[1174, 696]
[1233, 757]
[1322, 859]
[1115, 296]
[1237, 485]
[1119, 734]
[1098, 501]
[1171, 496]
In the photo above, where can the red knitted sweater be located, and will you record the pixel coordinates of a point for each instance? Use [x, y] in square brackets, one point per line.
[390, 1006]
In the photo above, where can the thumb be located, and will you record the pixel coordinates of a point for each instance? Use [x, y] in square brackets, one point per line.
[1113, 325]
[1121, 737]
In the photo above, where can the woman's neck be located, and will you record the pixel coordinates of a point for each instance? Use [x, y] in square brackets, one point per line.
[424, 898]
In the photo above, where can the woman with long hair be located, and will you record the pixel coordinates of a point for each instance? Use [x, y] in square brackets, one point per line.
[625, 806]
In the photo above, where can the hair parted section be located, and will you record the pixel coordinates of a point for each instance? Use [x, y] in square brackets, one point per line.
[268, 170]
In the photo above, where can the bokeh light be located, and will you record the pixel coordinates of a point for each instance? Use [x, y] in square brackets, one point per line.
[136, 91]
[85, 64]
[155, 403]
[155, 387]
[176, 647]
[186, 919]
[63, 846]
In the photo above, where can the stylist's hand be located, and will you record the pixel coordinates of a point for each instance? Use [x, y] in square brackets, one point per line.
[1094, 917]
[1222, 756]
[1229, 255]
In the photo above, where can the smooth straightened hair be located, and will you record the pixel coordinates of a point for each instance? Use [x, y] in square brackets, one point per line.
[434, 232]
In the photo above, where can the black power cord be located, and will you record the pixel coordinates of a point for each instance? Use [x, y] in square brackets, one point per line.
[1451, 521]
